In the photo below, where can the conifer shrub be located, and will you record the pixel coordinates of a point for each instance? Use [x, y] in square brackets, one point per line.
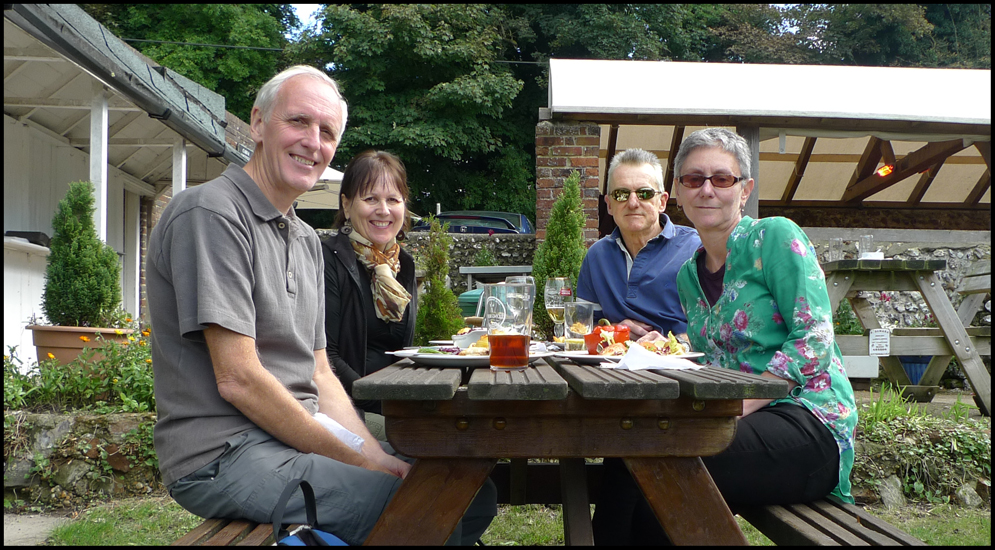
[563, 251]
[439, 314]
[82, 285]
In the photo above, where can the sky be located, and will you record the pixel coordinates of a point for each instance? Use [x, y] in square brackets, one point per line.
[305, 11]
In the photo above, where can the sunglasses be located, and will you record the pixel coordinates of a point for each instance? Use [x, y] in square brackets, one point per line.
[722, 181]
[644, 194]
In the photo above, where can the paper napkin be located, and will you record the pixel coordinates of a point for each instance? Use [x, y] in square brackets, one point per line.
[640, 358]
[339, 431]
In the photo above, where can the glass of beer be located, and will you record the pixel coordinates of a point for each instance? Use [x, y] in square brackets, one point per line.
[556, 293]
[579, 320]
[508, 319]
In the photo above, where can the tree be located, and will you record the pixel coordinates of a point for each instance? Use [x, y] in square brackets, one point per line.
[236, 74]
[563, 251]
[82, 285]
[422, 83]
[439, 314]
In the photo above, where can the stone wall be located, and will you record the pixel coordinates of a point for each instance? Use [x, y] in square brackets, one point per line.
[65, 460]
[507, 249]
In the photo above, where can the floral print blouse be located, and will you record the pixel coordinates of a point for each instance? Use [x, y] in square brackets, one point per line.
[774, 315]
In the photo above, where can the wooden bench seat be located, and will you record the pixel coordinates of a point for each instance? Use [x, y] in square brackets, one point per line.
[229, 532]
[824, 523]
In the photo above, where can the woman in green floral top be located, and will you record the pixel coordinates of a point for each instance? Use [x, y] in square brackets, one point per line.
[756, 301]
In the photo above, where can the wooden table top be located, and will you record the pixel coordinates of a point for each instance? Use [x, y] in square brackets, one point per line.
[884, 265]
[406, 381]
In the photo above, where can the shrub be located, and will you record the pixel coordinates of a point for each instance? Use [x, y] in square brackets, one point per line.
[82, 277]
[563, 251]
[439, 314]
[119, 382]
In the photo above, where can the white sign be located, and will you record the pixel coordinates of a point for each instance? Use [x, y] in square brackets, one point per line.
[879, 342]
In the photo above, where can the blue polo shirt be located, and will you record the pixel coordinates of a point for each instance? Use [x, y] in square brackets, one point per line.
[643, 288]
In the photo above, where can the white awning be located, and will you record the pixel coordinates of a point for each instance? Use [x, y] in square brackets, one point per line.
[325, 194]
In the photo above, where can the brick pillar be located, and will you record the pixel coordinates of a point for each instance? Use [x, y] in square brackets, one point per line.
[563, 147]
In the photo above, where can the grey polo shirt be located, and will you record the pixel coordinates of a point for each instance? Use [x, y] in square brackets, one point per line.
[222, 253]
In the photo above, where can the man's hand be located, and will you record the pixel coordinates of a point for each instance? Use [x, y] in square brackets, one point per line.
[637, 329]
[383, 462]
[651, 336]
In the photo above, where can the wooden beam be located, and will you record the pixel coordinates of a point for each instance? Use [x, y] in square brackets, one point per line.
[887, 152]
[924, 182]
[974, 197]
[675, 145]
[606, 224]
[796, 175]
[868, 162]
[985, 148]
[915, 161]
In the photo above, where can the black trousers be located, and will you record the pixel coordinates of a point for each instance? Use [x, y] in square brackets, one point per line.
[781, 455]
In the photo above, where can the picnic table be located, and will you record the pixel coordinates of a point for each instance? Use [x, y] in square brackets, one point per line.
[845, 278]
[459, 422]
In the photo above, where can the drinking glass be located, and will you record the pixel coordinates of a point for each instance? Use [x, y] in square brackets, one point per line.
[866, 245]
[557, 291]
[835, 249]
[508, 319]
[578, 320]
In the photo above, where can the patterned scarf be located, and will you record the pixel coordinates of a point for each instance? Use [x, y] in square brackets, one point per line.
[389, 297]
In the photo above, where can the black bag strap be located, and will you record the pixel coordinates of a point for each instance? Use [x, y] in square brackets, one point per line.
[310, 508]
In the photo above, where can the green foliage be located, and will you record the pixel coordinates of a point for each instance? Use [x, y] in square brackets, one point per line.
[235, 73]
[82, 280]
[934, 457]
[484, 257]
[563, 251]
[119, 382]
[845, 321]
[422, 82]
[439, 314]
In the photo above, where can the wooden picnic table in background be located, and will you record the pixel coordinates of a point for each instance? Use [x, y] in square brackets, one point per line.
[845, 278]
[458, 423]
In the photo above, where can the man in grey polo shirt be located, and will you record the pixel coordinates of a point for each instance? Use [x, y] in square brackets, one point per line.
[245, 395]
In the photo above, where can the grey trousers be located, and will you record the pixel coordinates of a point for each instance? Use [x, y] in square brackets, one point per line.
[247, 479]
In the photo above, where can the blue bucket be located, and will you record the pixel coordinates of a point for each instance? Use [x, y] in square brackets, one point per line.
[915, 366]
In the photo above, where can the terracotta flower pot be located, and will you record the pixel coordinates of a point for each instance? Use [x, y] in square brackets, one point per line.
[66, 343]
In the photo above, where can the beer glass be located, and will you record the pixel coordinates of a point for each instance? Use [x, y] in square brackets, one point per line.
[508, 320]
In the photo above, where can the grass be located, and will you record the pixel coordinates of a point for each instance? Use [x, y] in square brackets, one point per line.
[152, 521]
[159, 521]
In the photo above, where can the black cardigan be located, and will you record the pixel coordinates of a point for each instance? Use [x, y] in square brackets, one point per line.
[346, 316]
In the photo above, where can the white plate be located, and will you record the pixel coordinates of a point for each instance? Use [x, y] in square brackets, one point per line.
[582, 358]
[448, 343]
[444, 360]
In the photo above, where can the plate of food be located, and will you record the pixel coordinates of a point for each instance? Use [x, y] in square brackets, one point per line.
[451, 356]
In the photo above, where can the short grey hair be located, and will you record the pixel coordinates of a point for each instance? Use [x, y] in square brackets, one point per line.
[724, 139]
[267, 94]
[637, 157]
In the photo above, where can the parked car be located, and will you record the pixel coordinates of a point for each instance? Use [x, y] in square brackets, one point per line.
[481, 221]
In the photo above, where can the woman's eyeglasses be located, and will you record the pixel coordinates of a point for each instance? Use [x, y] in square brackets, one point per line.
[722, 181]
[644, 194]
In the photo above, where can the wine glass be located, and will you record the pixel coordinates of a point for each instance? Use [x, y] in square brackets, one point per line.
[557, 289]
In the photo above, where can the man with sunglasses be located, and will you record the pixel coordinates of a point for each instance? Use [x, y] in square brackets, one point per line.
[631, 275]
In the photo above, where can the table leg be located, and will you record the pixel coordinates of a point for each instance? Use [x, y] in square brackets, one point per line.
[577, 528]
[838, 284]
[932, 291]
[686, 501]
[869, 319]
[430, 502]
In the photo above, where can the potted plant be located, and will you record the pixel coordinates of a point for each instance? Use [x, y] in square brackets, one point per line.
[82, 294]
